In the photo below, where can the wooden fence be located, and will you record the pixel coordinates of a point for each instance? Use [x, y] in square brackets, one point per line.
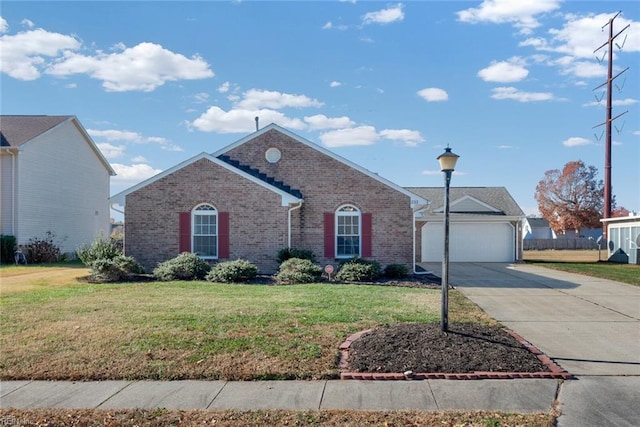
[542, 244]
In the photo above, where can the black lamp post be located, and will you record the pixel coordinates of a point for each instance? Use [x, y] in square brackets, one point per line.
[447, 165]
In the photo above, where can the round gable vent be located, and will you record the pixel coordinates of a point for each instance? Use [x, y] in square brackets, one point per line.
[272, 155]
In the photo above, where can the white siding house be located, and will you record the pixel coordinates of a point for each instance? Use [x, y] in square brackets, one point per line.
[54, 179]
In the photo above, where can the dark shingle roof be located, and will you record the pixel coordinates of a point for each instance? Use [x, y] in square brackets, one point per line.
[496, 197]
[261, 176]
[16, 130]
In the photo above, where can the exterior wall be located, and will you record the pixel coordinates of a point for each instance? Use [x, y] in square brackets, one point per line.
[326, 184]
[624, 239]
[8, 193]
[257, 221]
[64, 188]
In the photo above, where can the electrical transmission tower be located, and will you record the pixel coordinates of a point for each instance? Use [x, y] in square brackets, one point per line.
[609, 120]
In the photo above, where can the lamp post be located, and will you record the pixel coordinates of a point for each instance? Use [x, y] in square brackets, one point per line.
[447, 165]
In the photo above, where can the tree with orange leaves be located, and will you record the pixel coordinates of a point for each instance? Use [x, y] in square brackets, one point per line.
[571, 199]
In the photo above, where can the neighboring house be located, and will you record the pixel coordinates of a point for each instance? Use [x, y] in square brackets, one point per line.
[624, 238]
[537, 228]
[485, 225]
[54, 179]
[267, 191]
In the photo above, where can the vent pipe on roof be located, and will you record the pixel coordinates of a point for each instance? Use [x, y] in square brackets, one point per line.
[257, 126]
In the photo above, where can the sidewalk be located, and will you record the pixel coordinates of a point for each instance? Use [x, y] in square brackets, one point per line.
[516, 395]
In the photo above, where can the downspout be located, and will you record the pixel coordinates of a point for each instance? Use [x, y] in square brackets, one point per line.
[298, 206]
[13, 193]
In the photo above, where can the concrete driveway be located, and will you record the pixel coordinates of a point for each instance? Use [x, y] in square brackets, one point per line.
[589, 326]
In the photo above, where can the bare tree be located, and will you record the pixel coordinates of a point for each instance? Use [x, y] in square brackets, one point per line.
[571, 199]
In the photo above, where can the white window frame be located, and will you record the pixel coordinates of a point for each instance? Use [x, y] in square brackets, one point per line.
[342, 212]
[204, 209]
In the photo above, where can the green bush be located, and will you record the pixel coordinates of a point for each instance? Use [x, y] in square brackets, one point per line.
[239, 270]
[40, 250]
[186, 266]
[7, 248]
[298, 270]
[115, 269]
[396, 271]
[99, 249]
[359, 270]
[288, 253]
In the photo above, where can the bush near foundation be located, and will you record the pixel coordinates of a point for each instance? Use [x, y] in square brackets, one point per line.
[396, 271]
[297, 270]
[359, 270]
[236, 271]
[288, 253]
[186, 266]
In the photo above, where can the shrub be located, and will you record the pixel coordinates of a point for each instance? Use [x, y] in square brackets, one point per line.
[115, 269]
[186, 266]
[99, 249]
[298, 270]
[40, 250]
[288, 253]
[7, 248]
[239, 270]
[359, 270]
[396, 271]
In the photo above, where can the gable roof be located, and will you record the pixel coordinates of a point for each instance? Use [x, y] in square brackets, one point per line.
[471, 200]
[415, 199]
[276, 186]
[16, 131]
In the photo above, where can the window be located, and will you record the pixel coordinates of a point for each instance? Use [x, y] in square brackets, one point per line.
[347, 232]
[205, 231]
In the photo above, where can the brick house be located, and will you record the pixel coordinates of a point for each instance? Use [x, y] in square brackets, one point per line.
[267, 191]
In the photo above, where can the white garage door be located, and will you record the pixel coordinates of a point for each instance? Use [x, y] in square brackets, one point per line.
[469, 242]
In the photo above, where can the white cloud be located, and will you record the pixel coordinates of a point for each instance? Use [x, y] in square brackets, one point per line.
[335, 84]
[431, 172]
[24, 54]
[361, 135]
[433, 94]
[385, 16]
[240, 120]
[111, 151]
[28, 23]
[509, 71]
[256, 98]
[614, 102]
[410, 138]
[576, 141]
[140, 159]
[132, 174]
[4, 25]
[135, 137]
[522, 14]
[224, 87]
[320, 121]
[515, 94]
[143, 67]
[201, 97]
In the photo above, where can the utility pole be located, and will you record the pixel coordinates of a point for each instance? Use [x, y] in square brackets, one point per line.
[609, 119]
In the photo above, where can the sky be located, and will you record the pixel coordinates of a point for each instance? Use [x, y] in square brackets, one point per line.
[509, 86]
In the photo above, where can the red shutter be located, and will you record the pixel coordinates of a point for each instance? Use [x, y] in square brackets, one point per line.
[185, 232]
[329, 235]
[223, 235]
[367, 232]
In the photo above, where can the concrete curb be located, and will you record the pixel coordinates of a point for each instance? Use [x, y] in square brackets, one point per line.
[555, 371]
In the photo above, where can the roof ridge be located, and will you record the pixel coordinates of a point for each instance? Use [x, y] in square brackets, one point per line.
[255, 172]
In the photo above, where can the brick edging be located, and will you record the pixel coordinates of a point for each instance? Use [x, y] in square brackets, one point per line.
[556, 372]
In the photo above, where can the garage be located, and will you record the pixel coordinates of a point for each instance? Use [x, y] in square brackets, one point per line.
[470, 242]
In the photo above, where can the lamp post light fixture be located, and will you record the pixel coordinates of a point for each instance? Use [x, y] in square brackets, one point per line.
[447, 165]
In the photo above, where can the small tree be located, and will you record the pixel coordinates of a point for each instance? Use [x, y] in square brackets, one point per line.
[571, 199]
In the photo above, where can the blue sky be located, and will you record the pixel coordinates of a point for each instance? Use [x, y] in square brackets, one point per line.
[508, 85]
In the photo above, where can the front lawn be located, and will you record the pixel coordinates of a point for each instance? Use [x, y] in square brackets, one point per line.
[199, 330]
[625, 273]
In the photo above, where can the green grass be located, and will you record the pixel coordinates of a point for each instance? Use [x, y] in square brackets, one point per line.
[199, 330]
[625, 273]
